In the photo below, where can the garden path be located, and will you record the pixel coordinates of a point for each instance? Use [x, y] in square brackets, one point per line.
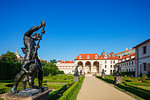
[95, 89]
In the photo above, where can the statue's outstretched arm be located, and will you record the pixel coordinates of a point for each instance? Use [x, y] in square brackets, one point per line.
[33, 29]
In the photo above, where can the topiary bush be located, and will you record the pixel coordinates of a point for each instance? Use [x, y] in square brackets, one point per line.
[8, 70]
[148, 74]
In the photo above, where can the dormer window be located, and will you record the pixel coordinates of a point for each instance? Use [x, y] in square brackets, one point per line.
[105, 56]
[96, 57]
[88, 57]
[80, 57]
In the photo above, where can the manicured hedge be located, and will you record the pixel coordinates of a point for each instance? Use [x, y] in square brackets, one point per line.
[139, 92]
[58, 93]
[8, 70]
[131, 73]
[68, 93]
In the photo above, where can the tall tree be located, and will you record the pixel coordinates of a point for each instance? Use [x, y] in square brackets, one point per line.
[9, 56]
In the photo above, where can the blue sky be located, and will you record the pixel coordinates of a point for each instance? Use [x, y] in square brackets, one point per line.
[75, 26]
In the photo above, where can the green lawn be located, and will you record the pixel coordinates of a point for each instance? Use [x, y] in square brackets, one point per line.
[52, 82]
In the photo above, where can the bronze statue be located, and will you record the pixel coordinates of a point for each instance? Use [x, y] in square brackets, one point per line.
[76, 71]
[31, 61]
[118, 72]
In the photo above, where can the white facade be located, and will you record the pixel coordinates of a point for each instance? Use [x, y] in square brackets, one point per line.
[66, 66]
[128, 65]
[94, 64]
[143, 58]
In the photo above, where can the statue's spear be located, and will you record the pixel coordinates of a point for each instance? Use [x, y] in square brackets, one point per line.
[42, 32]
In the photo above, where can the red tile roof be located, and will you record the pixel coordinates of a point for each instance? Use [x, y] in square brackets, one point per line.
[93, 57]
[110, 53]
[128, 56]
[67, 62]
[126, 61]
[123, 51]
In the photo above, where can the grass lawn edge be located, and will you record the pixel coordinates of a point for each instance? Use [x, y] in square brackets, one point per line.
[127, 92]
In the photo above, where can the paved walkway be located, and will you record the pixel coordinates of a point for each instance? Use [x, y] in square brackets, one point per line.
[95, 89]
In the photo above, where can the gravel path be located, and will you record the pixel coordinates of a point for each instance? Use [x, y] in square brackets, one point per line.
[95, 89]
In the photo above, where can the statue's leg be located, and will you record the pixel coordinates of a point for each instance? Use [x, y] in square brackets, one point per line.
[24, 82]
[16, 81]
[40, 77]
[31, 81]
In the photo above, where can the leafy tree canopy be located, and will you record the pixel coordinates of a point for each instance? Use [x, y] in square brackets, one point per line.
[9, 56]
[53, 61]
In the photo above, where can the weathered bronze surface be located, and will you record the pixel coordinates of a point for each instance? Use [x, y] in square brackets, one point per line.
[76, 73]
[31, 62]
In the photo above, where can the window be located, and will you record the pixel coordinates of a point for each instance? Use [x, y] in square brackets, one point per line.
[80, 57]
[144, 66]
[129, 63]
[144, 50]
[105, 61]
[114, 61]
[105, 70]
[96, 57]
[88, 57]
[110, 66]
[111, 62]
[132, 62]
[110, 71]
[105, 66]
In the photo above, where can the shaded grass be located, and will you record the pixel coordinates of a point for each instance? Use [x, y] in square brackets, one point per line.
[60, 80]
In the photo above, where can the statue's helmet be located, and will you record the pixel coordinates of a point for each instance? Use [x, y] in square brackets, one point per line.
[36, 36]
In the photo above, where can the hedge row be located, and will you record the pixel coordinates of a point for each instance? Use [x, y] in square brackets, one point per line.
[131, 73]
[139, 92]
[58, 93]
[8, 70]
[68, 93]
[127, 86]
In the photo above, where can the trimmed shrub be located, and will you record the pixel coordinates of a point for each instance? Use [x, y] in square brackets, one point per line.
[58, 93]
[148, 74]
[68, 93]
[131, 73]
[8, 70]
[139, 92]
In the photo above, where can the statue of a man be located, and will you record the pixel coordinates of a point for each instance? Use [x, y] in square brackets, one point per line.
[31, 61]
[118, 72]
[76, 71]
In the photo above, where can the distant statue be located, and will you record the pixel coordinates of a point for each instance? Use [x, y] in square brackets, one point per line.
[31, 61]
[103, 72]
[76, 71]
[80, 72]
[118, 72]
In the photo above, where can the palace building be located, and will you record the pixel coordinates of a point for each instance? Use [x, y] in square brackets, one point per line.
[127, 63]
[66, 66]
[142, 58]
[94, 64]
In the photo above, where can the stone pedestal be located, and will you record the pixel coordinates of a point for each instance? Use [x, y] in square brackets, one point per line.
[32, 94]
[76, 78]
[118, 79]
[103, 76]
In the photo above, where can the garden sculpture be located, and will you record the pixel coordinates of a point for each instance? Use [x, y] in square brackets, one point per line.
[31, 62]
